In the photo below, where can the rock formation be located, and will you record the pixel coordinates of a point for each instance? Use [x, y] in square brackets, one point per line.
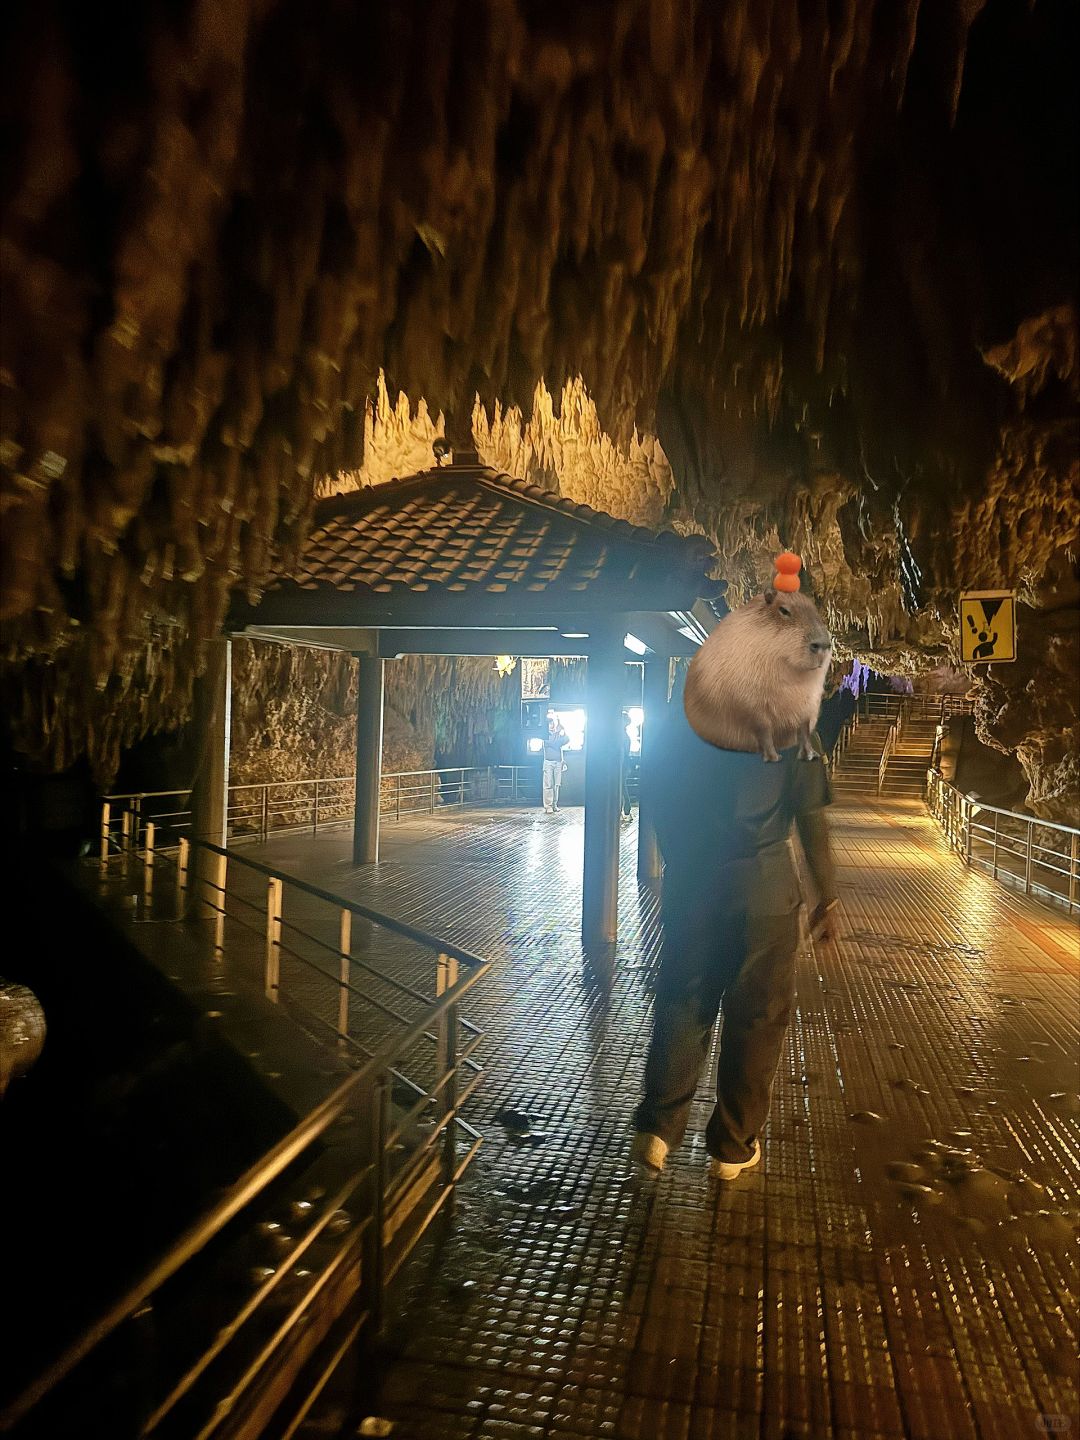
[824, 254]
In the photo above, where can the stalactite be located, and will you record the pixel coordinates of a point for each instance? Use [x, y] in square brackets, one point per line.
[769, 238]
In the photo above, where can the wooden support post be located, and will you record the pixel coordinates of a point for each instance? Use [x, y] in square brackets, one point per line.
[369, 735]
[654, 702]
[210, 792]
[603, 761]
[106, 821]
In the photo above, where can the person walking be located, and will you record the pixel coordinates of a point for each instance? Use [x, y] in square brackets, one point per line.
[731, 902]
[555, 742]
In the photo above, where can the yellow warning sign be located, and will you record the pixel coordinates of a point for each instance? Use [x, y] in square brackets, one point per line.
[987, 626]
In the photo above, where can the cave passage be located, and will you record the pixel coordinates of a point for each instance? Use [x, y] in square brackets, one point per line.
[901, 1263]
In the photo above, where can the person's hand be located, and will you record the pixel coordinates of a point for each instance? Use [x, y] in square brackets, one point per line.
[824, 922]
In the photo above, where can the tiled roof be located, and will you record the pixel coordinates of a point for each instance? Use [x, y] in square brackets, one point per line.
[467, 531]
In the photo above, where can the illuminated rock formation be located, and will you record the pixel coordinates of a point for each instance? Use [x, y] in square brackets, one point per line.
[825, 254]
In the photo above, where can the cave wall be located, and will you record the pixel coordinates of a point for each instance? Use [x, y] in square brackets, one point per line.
[294, 713]
[819, 258]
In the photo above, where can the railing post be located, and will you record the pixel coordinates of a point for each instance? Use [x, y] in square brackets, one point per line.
[148, 862]
[218, 879]
[264, 822]
[315, 811]
[182, 862]
[125, 831]
[431, 806]
[994, 868]
[1074, 869]
[372, 1283]
[446, 979]
[106, 822]
[273, 937]
[345, 952]
[397, 797]
[1027, 859]
[967, 836]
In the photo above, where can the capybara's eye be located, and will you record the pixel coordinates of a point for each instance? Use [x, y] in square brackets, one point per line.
[785, 611]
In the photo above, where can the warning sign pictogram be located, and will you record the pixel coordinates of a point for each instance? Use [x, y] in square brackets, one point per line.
[987, 626]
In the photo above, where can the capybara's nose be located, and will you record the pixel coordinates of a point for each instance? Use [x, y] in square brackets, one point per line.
[817, 646]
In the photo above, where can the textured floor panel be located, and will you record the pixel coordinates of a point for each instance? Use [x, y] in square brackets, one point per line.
[825, 1293]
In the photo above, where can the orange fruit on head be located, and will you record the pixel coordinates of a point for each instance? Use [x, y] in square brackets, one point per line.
[788, 563]
[785, 582]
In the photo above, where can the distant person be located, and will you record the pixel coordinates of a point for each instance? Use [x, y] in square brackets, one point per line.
[731, 903]
[627, 766]
[555, 742]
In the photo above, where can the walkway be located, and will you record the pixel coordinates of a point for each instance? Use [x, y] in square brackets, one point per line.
[902, 1264]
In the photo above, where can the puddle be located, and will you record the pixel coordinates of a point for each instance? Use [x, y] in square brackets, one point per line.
[516, 1123]
[532, 1192]
[1009, 1208]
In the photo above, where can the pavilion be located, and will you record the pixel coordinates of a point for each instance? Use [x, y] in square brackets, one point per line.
[462, 560]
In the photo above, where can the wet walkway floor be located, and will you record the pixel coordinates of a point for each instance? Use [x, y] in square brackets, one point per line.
[904, 1262]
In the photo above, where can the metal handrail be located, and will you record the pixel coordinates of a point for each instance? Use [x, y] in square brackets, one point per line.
[340, 902]
[251, 1184]
[925, 707]
[1016, 840]
[439, 1023]
[886, 753]
[260, 808]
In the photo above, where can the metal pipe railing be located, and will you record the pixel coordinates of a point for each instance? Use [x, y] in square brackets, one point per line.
[260, 809]
[1040, 856]
[376, 1171]
[886, 752]
[938, 708]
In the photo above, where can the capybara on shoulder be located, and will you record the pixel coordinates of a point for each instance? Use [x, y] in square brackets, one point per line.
[757, 681]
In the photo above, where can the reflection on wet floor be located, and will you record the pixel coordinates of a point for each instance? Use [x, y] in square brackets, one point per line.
[904, 1261]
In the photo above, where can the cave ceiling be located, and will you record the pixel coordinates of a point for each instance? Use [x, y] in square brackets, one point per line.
[815, 259]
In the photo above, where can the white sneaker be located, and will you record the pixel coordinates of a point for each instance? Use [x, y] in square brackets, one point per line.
[648, 1153]
[731, 1170]
[548, 810]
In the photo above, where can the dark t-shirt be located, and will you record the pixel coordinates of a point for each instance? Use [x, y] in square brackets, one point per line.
[555, 743]
[713, 806]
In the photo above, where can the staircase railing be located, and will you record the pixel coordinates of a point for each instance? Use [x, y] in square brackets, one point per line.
[938, 708]
[1041, 857]
[887, 750]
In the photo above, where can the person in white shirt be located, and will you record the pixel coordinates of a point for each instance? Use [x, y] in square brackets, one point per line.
[555, 741]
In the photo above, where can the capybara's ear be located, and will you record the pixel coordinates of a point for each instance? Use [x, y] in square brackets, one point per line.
[770, 595]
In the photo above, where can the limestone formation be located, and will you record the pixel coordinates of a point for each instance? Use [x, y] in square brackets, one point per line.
[813, 264]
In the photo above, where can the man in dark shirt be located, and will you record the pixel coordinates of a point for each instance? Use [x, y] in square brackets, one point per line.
[731, 930]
